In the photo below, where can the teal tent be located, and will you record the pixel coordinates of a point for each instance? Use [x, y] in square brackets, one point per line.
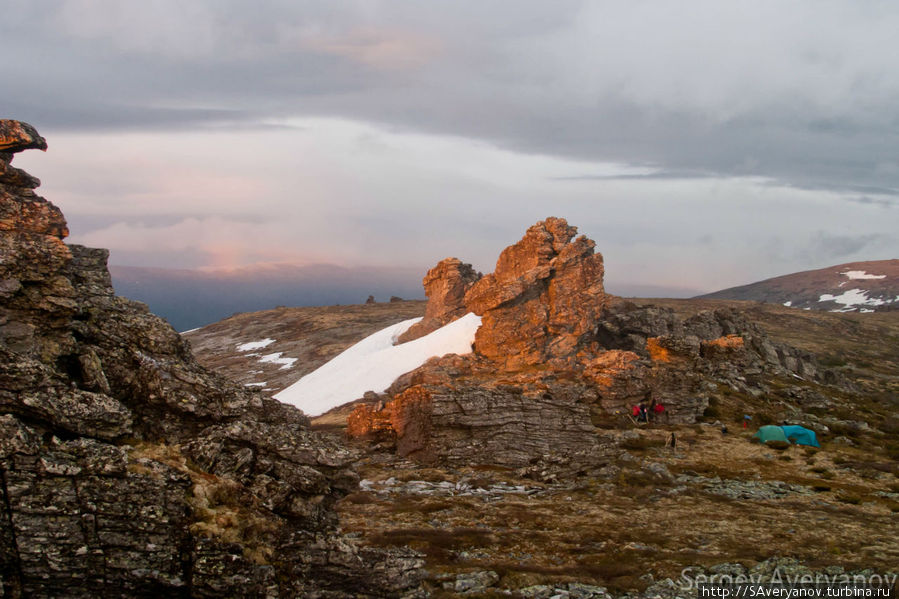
[788, 433]
[771, 433]
[800, 435]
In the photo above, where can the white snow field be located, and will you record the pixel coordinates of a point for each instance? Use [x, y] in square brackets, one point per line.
[375, 362]
[861, 275]
[255, 345]
[276, 358]
[851, 299]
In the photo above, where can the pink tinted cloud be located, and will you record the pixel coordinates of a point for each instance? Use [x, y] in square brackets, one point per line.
[380, 49]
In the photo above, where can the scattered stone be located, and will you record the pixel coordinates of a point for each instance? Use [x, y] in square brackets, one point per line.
[475, 582]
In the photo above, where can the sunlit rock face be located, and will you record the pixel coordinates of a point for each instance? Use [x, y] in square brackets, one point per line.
[543, 300]
[555, 355]
[127, 469]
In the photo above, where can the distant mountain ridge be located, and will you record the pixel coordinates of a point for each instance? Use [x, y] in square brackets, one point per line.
[870, 286]
[193, 298]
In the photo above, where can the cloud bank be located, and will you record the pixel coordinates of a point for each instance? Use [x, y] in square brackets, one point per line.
[703, 145]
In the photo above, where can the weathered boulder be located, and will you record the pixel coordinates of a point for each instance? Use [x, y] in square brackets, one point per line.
[457, 411]
[127, 469]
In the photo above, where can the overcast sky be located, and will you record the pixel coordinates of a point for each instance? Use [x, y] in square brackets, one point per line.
[702, 144]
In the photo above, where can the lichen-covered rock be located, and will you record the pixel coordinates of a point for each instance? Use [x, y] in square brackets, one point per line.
[127, 469]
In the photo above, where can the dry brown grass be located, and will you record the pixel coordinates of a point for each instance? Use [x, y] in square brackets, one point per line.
[611, 535]
[221, 507]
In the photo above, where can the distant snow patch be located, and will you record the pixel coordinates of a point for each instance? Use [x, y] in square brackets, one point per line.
[189, 331]
[262, 384]
[788, 303]
[860, 274]
[255, 345]
[851, 299]
[375, 362]
[276, 358]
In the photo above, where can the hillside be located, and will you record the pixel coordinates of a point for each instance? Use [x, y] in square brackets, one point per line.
[871, 286]
[290, 342]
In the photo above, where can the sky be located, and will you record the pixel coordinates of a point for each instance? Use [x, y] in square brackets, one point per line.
[701, 144]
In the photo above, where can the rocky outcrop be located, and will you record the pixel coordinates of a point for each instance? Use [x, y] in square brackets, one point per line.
[445, 286]
[542, 301]
[126, 469]
[457, 411]
[556, 358]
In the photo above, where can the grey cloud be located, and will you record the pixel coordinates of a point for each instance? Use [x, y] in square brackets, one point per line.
[834, 247]
[542, 78]
[875, 201]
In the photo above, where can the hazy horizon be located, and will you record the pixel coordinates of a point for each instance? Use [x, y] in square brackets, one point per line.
[193, 298]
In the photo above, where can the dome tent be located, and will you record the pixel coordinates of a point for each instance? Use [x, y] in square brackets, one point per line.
[798, 435]
[770, 433]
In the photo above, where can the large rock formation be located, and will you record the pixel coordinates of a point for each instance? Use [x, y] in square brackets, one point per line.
[555, 356]
[127, 469]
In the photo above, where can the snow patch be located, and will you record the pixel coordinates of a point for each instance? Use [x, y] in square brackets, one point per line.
[788, 303]
[860, 274]
[851, 299]
[262, 384]
[255, 345]
[189, 331]
[276, 358]
[375, 362]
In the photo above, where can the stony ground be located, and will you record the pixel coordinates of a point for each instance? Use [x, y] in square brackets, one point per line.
[649, 511]
[652, 510]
